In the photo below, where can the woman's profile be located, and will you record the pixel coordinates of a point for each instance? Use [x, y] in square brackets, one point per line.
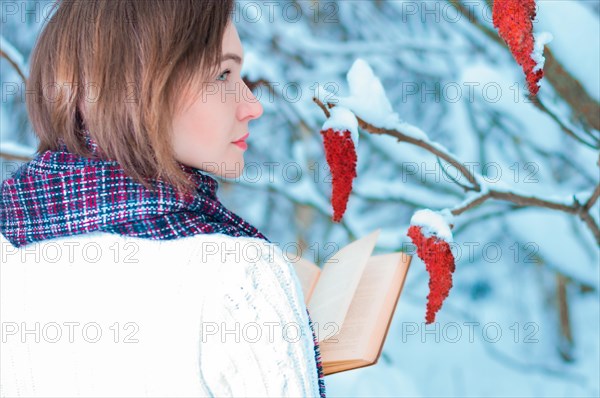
[122, 272]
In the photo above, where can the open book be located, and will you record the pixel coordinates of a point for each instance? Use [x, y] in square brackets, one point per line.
[351, 301]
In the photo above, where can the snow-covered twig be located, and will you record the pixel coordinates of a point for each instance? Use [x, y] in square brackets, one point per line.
[537, 102]
[18, 152]
[9, 156]
[13, 56]
[364, 47]
[281, 190]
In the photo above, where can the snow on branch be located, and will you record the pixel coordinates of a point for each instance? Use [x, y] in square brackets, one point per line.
[375, 115]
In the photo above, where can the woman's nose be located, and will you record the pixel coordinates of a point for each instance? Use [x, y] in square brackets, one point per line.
[250, 106]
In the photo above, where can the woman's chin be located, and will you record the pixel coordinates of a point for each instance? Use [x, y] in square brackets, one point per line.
[232, 170]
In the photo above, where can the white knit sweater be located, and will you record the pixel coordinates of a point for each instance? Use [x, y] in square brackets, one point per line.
[103, 315]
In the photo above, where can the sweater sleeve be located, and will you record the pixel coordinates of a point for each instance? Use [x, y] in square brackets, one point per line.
[255, 334]
[105, 315]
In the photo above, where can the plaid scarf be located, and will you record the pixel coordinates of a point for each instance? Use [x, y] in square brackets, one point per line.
[59, 193]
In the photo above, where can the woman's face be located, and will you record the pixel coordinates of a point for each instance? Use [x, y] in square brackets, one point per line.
[205, 131]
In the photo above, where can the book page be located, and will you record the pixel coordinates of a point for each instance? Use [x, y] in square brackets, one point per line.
[390, 301]
[308, 274]
[337, 284]
[371, 309]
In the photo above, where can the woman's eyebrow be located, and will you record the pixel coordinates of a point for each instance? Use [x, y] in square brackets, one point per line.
[234, 57]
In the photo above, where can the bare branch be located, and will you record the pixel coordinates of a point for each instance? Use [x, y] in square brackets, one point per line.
[322, 106]
[592, 200]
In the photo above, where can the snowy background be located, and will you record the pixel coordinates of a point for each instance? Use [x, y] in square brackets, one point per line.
[523, 316]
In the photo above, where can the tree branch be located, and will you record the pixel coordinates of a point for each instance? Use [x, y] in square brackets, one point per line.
[520, 199]
[19, 158]
[401, 137]
[569, 88]
[5, 52]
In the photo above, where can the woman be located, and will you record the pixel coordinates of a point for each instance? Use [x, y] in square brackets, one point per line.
[113, 234]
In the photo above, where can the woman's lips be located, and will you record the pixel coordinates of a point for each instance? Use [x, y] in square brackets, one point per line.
[243, 138]
[241, 143]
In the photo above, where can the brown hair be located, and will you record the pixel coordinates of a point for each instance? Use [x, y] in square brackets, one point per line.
[140, 58]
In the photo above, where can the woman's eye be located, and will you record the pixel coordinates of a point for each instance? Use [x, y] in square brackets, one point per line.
[226, 72]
